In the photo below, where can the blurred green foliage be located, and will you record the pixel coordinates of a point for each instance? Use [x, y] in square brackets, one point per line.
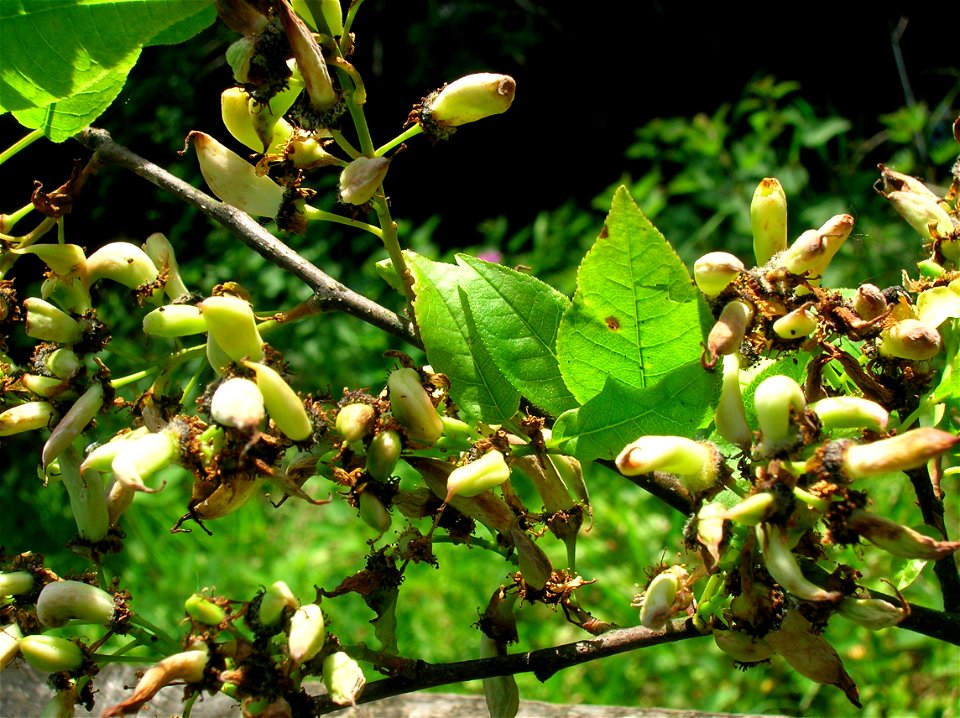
[694, 177]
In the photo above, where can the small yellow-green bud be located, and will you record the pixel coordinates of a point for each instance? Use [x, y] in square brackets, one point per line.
[801, 322]
[773, 400]
[768, 219]
[753, 509]
[51, 654]
[782, 565]
[662, 597]
[695, 463]
[361, 179]
[373, 512]
[230, 321]
[469, 99]
[471, 479]
[850, 412]
[237, 402]
[307, 633]
[908, 450]
[15, 583]
[27, 417]
[276, 598]
[412, 407]
[910, 339]
[203, 610]
[354, 421]
[63, 363]
[343, 678]
[49, 323]
[61, 601]
[174, 320]
[383, 454]
[813, 250]
[160, 251]
[714, 272]
[742, 646]
[254, 125]
[285, 408]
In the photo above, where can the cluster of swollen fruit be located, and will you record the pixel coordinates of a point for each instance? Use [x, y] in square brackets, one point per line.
[792, 467]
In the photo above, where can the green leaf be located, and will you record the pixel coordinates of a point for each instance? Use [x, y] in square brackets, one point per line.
[62, 64]
[517, 317]
[453, 347]
[636, 314]
[619, 414]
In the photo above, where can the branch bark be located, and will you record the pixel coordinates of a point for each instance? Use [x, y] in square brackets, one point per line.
[543, 663]
[329, 294]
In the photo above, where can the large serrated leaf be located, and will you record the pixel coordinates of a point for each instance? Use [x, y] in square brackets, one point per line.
[619, 414]
[62, 64]
[636, 313]
[452, 346]
[517, 317]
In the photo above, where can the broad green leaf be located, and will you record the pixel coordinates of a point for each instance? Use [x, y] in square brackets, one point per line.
[636, 313]
[53, 51]
[453, 348]
[62, 120]
[517, 317]
[619, 414]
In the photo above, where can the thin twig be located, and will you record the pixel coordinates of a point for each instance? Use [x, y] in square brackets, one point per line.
[330, 294]
[543, 663]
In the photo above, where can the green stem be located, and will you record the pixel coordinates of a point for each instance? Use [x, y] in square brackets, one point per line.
[351, 16]
[9, 221]
[32, 236]
[392, 244]
[123, 381]
[19, 145]
[312, 213]
[409, 133]
[344, 144]
[140, 622]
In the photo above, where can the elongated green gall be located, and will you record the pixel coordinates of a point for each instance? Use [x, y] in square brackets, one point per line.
[15, 583]
[254, 125]
[850, 412]
[230, 321]
[61, 601]
[727, 334]
[73, 422]
[234, 180]
[774, 399]
[714, 271]
[783, 567]
[174, 320]
[412, 407]
[203, 610]
[285, 408]
[49, 323]
[142, 457]
[872, 613]
[313, 68]
[695, 463]
[768, 219]
[276, 598]
[354, 421]
[730, 417]
[898, 540]
[27, 417]
[383, 454]
[469, 99]
[121, 262]
[187, 667]
[361, 179]
[486, 472]
[51, 654]
[161, 252]
[908, 450]
[742, 647]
